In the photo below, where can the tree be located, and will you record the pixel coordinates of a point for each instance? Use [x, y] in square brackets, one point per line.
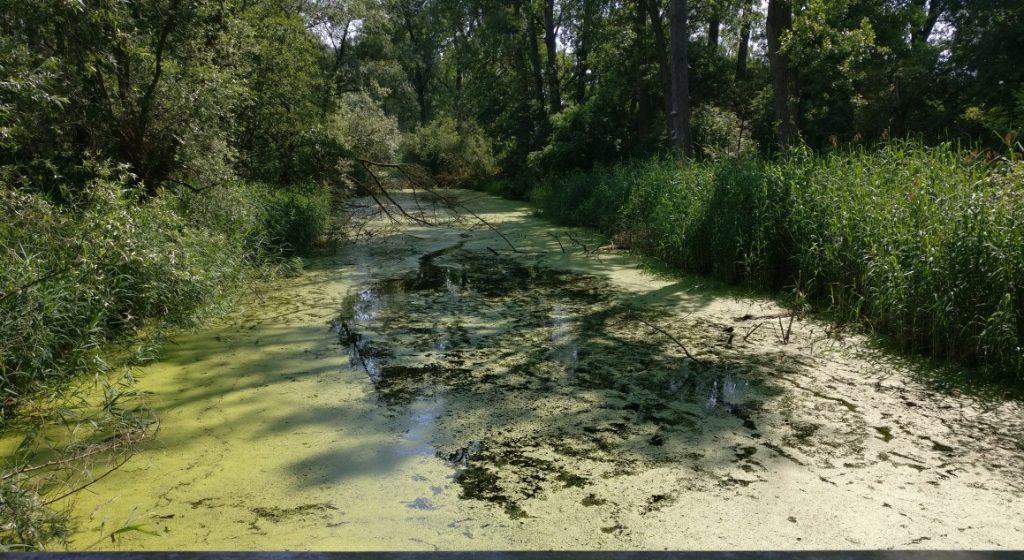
[679, 38]
[551, 49]
[779, 21]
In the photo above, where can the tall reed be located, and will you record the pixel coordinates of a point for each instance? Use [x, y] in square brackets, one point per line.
[923, 244]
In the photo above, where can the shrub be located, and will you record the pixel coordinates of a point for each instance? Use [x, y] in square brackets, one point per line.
[293, 219]
[719, 133]
[455, 153]
[74, 278]
[360, 126]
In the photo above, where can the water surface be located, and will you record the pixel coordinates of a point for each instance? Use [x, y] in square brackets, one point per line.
[428, 387]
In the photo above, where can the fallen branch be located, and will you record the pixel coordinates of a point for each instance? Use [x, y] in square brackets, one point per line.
[387, 195]
[578, 242]
[449, 200]
[375, 199]
[559, 241]
[90, 483]
[782, 315]
[751, 331]
[673, 339]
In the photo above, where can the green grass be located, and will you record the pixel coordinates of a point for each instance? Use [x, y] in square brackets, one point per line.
[925, 245]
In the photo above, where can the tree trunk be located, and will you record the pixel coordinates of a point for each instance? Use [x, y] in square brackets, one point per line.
[643, 100]
[661, 46]
[423, 71]
[741, 55]
[714, 26]
[551, 45]
[583, 52]
[679, 37]
[780, 19]
[534, 52]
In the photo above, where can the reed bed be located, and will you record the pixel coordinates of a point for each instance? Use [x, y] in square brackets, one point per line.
[923, 244]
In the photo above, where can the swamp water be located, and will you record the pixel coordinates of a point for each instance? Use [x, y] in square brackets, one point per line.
[429, 388]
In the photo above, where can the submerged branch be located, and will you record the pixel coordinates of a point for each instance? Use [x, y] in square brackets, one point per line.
[673, 339]
[90, 483]
[373, 196]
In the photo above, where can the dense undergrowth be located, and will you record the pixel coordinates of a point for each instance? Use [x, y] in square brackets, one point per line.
[925, 245]
[89, 287]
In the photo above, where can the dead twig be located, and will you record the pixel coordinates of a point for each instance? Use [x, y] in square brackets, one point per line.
[374, 197]
[387, 195]
[577, 242]
[559, 241]
[90, 483]
[673, 339]
[751, 331]
[783, 315]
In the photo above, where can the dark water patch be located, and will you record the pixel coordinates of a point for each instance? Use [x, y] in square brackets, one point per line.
[480, 483]
[422, 504]
[400, 384]
[745, 452]
[782, 452]
[802, 432]
[614, 529]
[278, 515]
[938, 446]
[498, 337]
[656, 502]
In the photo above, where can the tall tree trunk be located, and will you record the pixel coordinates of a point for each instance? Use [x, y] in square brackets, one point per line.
[534, 53]
[643, 100]
[714, 27]
[583, 52]
[679, 36]
[551, 45]
[741, 55]
[660, 45]
[423, 72]
[780, 19]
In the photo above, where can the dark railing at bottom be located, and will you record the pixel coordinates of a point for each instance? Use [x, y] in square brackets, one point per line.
[533, 555]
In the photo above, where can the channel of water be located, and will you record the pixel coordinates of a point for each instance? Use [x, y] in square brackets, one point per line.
[430, 388]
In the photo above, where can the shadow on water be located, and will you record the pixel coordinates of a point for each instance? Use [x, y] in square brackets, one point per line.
[546, 384]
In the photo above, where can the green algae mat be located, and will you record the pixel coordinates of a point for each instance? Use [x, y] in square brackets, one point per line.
[430, 388]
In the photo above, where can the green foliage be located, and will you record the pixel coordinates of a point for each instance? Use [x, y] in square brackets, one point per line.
[719, 133]
[293, 220]
[921, 244]
[361, 127]
[456, 153]
[76, 278]
[582, 135]
[28, 524]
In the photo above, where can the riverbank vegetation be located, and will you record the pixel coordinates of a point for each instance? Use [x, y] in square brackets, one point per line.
[156, 154]
[155, 158]
[925, 245]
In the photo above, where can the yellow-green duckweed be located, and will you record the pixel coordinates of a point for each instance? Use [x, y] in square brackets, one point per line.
[429, 388]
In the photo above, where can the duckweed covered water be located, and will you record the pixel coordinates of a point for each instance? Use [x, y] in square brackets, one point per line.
[427, 388]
